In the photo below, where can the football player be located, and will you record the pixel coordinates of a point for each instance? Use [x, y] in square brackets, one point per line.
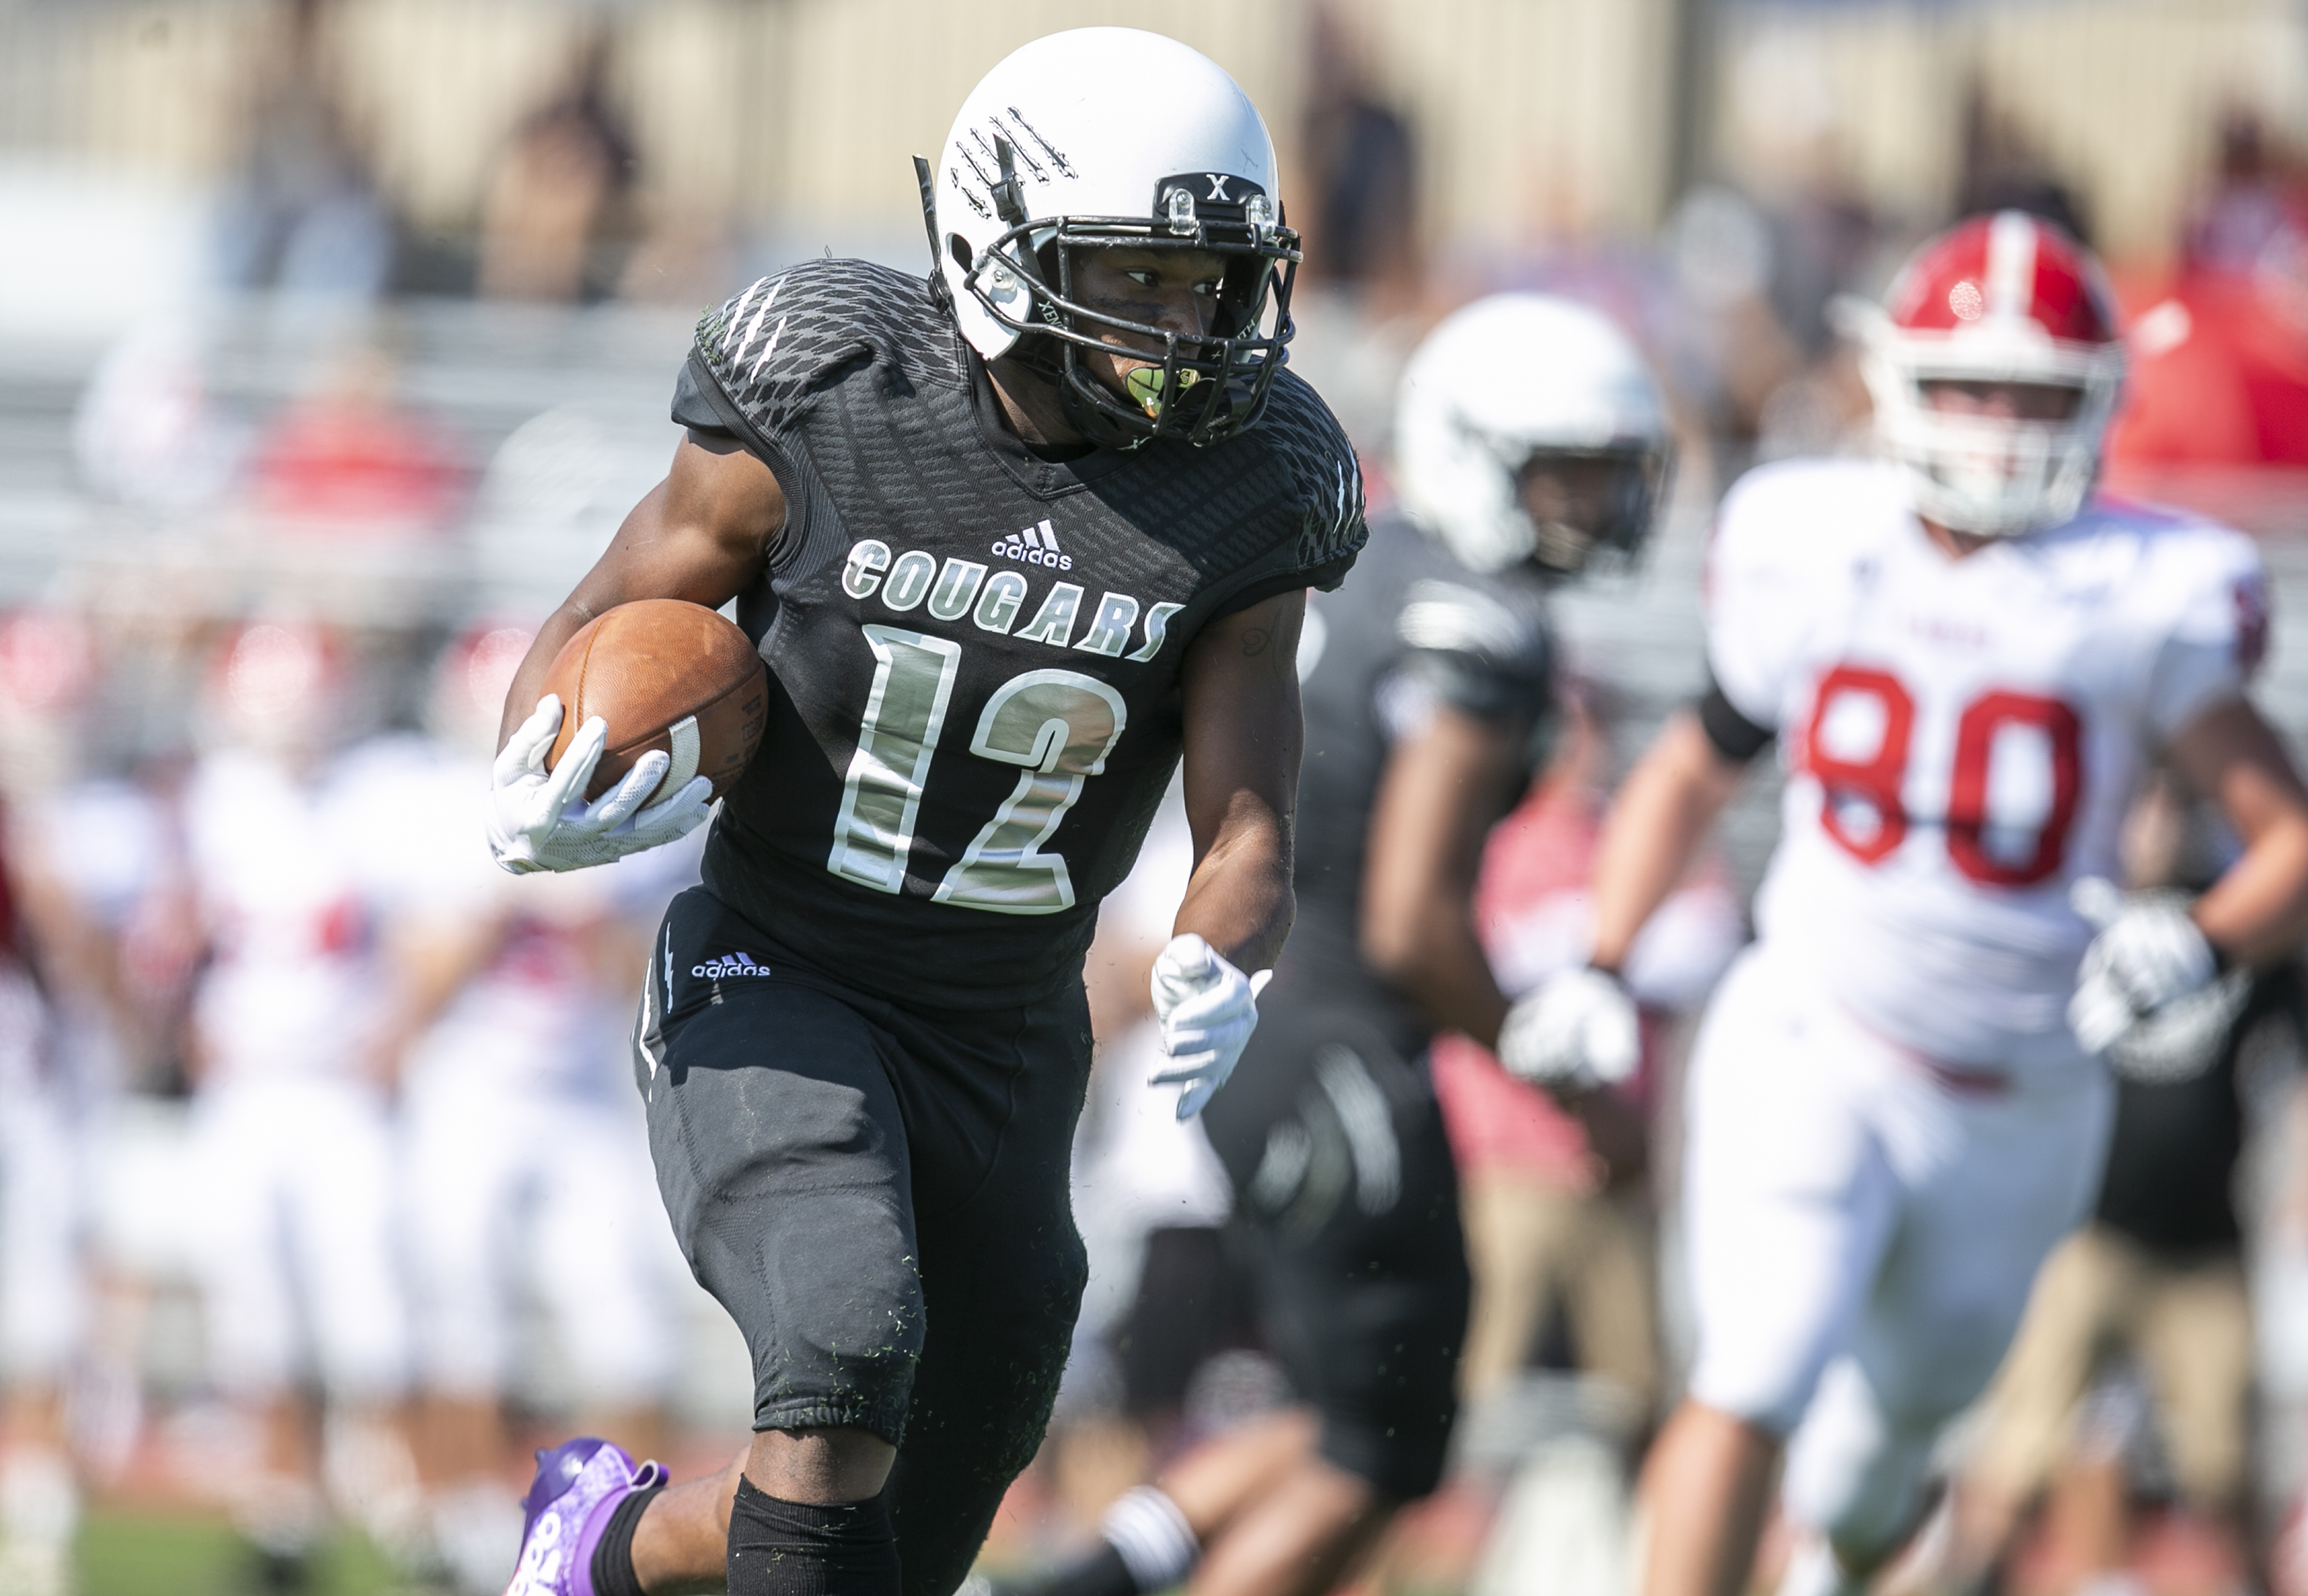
[1013, 538]
[55, 1068]
[1967, 659]
[1531, 443]
[292, 1137]
[42, 1293]
[521, 1172]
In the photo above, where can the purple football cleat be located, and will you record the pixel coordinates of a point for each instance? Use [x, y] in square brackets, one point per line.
[579, 1484]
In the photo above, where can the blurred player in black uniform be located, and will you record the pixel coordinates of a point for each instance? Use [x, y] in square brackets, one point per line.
[1013, 540]
[1531, 441]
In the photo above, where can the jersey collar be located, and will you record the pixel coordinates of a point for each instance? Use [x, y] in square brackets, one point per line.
[1044, 479]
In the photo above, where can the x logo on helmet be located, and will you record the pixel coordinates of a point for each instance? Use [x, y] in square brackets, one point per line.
[1217, 189]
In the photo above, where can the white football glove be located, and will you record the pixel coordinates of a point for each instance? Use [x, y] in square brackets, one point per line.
[2147, 960]
[1578, 1029]
[539, 820]
[1207, 1009]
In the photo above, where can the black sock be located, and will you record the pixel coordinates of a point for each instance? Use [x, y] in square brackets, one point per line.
[798, 1549]
[1102, 1574]
[612, 1554]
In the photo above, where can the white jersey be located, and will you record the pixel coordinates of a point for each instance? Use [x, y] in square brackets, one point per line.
[109, 848]
[293, 987]
[1961, 737]
[533, 1016]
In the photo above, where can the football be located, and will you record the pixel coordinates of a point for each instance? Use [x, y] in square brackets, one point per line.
[664, 674]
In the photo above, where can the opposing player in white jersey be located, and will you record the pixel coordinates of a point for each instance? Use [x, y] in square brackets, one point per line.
[1966, 659]
[525, 1167]
[51, 1064]
[289, 1106]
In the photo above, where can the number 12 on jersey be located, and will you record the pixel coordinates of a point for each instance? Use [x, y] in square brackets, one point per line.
[1058, 726]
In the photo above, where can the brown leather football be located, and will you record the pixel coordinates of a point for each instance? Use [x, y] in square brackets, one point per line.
[664, 674]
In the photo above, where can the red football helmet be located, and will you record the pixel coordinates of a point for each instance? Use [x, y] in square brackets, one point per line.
[2002, 299]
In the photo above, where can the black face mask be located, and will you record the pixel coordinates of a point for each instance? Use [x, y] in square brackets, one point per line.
[1201, 390]
[1625, 511]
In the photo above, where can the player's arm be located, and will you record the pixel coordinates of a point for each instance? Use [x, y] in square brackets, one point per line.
[1580, 1026]
[2153, 953]
[1443, 787]
[1243, 734]
[1663, 812]
[702, 534]
[430, 959]
[2258, 910]
[2137, 984]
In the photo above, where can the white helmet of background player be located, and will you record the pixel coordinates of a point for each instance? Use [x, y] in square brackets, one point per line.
[2006, 298]
[1513, 383]
[1105, 137]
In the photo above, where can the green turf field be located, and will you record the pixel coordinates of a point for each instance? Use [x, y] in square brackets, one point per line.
[181, 1555]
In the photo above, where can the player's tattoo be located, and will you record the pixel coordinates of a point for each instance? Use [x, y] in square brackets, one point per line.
[1254, 643]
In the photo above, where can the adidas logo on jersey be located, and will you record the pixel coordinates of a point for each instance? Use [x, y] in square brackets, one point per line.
[1036, 546]
[729, 964]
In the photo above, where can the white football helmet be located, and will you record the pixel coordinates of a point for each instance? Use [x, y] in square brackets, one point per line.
[1510, 381]
[1105, 137]
[2006, 298]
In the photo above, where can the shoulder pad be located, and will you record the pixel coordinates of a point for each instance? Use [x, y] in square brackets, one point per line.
[1487, 651]
[1326, 478]
[1802, 511]
[775, 346]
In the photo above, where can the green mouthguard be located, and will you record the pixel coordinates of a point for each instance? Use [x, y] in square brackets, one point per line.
[1144, 384]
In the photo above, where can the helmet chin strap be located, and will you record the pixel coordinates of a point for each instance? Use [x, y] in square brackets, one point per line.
[1087, 416]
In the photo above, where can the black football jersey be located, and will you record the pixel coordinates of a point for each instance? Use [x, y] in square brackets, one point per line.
[973, 652]
[1410, 630]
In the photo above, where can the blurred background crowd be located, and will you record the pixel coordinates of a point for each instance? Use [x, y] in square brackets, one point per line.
[336, 337]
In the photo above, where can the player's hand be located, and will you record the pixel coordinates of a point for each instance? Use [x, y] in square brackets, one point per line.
[539, 820]
[2146, 969]
[1578, 1029]
[1207, 1009]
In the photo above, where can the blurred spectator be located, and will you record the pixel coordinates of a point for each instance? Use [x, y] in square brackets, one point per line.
[557, 191]
[2253, 213]
[350, 452]
[1361, 176]
[2002, 171]
[1723, 254]
[304, 216]
[2220, 364]
[2157, 1272]
[292, 1140]
[526, 1177]
[148, 432]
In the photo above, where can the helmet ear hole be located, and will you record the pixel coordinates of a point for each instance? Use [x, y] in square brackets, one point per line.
[959, 247]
